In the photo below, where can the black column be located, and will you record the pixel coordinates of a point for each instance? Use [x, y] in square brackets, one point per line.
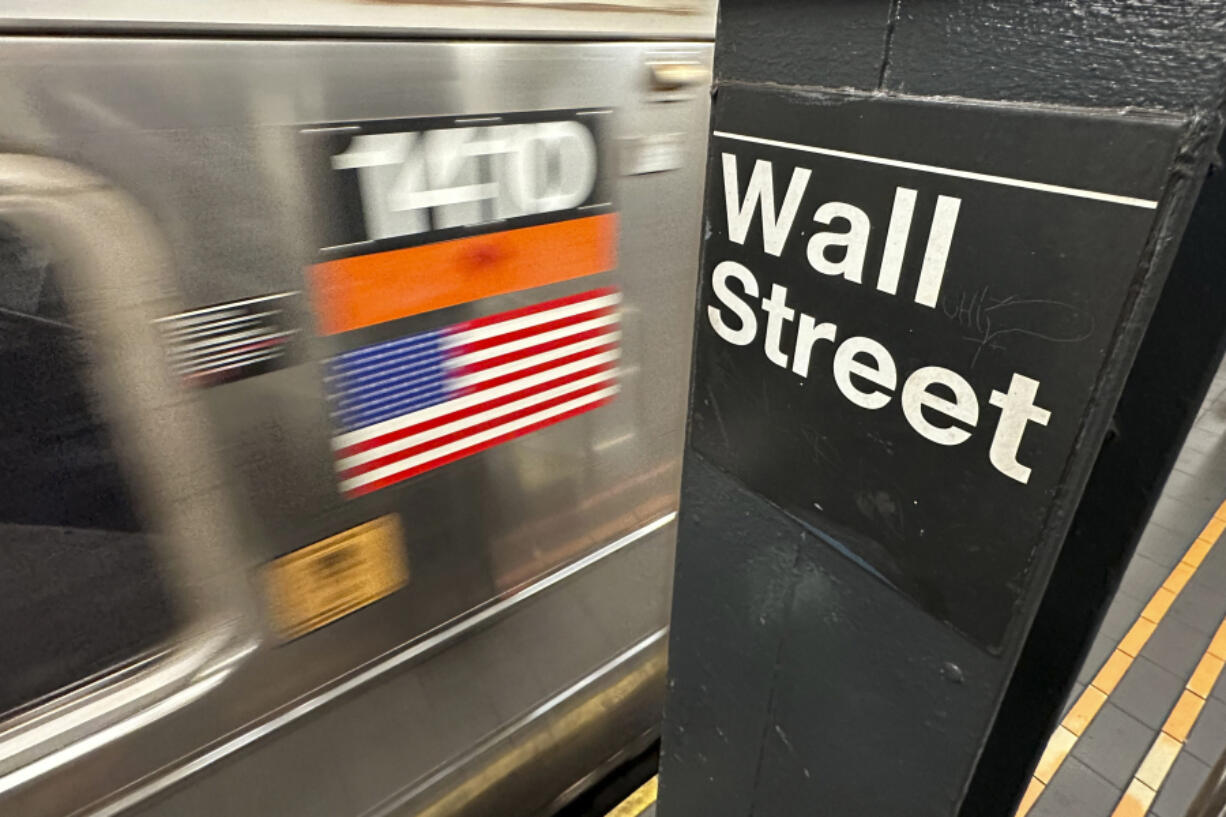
[936, 236]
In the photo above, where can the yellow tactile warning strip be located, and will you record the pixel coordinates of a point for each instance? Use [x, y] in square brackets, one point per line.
[1166, 747]
[1095, 695]
[637, 803]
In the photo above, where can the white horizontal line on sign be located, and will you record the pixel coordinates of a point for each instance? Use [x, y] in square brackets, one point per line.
[1077, 192]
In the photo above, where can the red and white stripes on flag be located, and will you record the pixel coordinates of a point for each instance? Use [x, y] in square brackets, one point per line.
[412, 404]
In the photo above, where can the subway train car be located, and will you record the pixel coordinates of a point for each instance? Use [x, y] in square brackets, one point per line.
[344, 350]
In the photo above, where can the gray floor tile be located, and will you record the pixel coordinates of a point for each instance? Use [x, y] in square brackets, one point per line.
[1209, 453]
[1203, 435]
[1208, 467]
[1200, 606]
[1102, 763]
[1147, 692]
[1163, 545]
[1211, 406]
[1213, 475]
[1180, 786]
[1142, 578]
[1129, 607]
[1194, 453]
[1212, 571]
[1200, 465]
[1179, 517]
[1114, 744]
[1203, 440]
[1203, 431]
[1213, 421]
[1200, 449]
[1212, 402]
[1192, 488]
[1208, 738]
[1219, 689]
[1204, 425]
[1179, 503]
[1076, 790]
[1176, 646]
[1099, 650]
[1120, 616]
[1212, 414]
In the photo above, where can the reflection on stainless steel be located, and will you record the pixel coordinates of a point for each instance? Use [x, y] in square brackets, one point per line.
[604, 445]
[107, 731]
[524, 651]
[416, 651]
[502, 18]
[674, 74]
[94, 228]
[500, 767]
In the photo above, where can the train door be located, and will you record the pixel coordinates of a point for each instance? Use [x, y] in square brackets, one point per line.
[344, 373]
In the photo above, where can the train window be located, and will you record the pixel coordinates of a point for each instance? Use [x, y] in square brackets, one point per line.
[80, 592]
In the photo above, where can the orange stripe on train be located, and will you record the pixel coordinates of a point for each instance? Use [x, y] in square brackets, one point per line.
[351, 293]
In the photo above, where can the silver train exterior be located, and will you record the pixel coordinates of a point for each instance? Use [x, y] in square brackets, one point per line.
[230, 584]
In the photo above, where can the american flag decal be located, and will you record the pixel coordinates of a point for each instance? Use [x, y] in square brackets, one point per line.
[409, 405]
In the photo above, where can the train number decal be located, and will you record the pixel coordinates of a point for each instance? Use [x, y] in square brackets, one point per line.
[421, 214]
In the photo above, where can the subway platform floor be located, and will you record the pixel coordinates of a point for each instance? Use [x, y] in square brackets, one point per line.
[1147, 718]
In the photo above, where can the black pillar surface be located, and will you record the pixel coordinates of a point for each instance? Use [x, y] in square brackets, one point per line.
[941, 267]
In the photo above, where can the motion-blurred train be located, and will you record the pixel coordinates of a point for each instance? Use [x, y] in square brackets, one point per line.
[343, 367]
